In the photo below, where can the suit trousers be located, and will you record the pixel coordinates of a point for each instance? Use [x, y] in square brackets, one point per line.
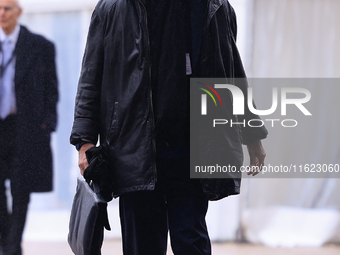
[12, 220]
[177, 205]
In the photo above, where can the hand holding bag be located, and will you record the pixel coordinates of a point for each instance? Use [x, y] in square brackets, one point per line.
[89, 208]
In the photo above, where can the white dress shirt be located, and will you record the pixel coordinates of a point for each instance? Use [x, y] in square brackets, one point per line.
[7, 89]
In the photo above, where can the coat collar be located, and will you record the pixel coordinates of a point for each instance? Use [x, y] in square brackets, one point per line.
[212, 8]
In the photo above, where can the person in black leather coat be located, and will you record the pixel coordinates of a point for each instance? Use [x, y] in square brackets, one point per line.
[133, 93]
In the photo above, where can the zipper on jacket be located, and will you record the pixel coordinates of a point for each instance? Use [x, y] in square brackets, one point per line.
[151, 102]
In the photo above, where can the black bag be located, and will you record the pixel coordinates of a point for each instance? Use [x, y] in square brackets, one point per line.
[89, 208]
[87, 221]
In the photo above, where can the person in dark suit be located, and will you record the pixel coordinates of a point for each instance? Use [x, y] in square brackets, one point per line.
[28, 98]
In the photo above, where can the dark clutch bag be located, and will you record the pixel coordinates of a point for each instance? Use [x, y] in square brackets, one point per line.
[89, 208]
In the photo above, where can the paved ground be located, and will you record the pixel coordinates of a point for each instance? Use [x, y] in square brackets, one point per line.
[46, 233]
[113, 247]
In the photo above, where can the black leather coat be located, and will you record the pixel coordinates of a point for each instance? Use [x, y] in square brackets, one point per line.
[114, 96]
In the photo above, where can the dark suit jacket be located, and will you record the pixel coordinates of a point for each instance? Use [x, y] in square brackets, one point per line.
[36, 97]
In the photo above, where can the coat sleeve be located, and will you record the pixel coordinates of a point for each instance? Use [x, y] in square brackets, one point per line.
[87, 107]
[50, 88]
[249, 134]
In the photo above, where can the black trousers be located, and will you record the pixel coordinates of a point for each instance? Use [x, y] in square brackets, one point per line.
[177, 205]
[12, 220]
